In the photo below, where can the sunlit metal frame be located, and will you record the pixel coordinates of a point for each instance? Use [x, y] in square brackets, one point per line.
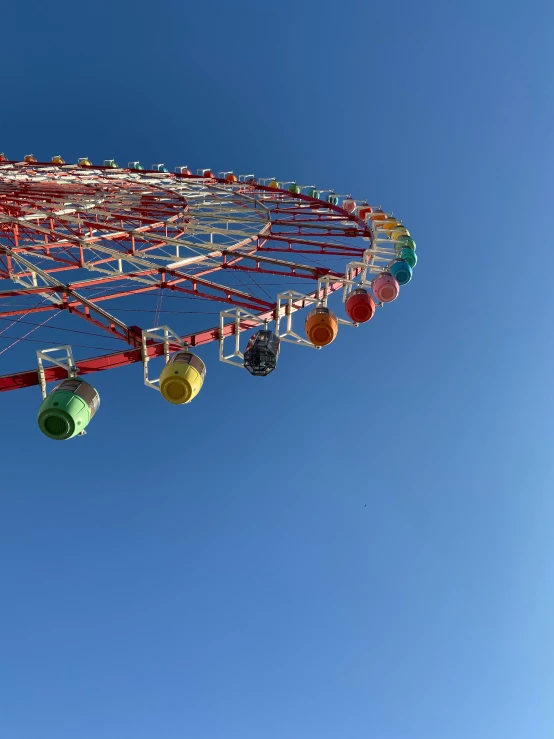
[171, 342]
[240, 320]
[66, 363]
[313, 226]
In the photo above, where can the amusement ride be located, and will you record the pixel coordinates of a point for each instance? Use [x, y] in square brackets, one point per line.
[91, 243]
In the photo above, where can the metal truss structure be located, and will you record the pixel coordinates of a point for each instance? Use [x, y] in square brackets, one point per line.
[83, 240]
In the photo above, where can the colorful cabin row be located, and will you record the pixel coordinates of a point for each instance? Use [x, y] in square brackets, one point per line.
[31, 159]
[386, 286]
[58, 159]
[348, 204]
[322, 324]
[396, 231]
[376, 215]
[69, 408]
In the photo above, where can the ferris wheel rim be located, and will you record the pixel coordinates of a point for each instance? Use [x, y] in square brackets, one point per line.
[134, 354]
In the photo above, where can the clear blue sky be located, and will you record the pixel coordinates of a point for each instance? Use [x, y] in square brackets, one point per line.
[361, 546]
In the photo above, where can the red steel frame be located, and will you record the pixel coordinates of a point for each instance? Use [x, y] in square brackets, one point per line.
[32, 226]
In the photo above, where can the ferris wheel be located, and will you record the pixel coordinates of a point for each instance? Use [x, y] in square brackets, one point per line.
[109, 251]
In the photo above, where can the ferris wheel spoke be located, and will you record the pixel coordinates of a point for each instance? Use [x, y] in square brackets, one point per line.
[318, 247]
[344, 252]
[182, 242]
[315, 229]
[229, 296]
[153, 277]
[223, 293]
[79, 307]
[64, 297]
[84, 309]
[288, 269]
